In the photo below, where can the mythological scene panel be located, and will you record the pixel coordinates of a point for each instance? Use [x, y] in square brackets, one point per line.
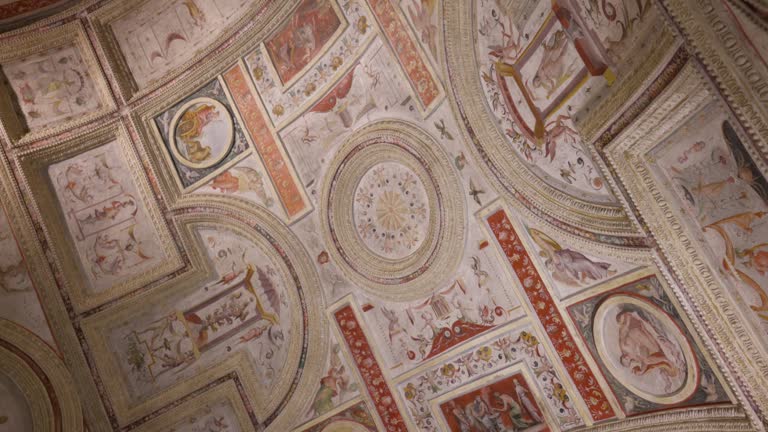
[312, 50]
[644, 349]
[519, 348]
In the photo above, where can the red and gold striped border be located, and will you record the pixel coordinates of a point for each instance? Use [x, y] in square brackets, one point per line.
[267, 146]
[369, 370]
[550, 316]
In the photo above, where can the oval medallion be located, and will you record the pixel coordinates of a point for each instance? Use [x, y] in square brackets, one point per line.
[202, 133]
[645, 350]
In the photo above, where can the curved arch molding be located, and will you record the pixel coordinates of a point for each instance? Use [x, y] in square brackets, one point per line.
[40, 378]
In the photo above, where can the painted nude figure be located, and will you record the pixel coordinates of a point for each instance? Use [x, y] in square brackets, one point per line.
[645, 349]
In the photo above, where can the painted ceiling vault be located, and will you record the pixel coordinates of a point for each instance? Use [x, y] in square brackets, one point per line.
[383, 215]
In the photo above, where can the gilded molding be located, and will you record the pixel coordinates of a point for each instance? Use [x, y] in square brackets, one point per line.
[509, 174]
[47, 287]
[43, 201]
[712, 35]
[31, 43]
[103, 17]
[305, 352]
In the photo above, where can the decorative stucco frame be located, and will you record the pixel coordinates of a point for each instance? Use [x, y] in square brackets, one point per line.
[32, 43]
[34, 164]
[102, 19]
[507, 171]
[226, 391]
[428, 266]
[42, 377]
[305, 354]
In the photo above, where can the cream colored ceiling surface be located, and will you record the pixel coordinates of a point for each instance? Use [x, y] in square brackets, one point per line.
[383, 215]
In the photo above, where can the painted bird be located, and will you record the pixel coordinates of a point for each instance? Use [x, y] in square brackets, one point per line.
[475, 193]
[443, 131]
[460, 161]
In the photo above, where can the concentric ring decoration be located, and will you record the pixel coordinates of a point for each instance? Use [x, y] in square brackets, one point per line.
[39, 376]
[393, 211]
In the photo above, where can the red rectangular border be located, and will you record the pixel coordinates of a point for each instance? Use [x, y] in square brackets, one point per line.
[265, 142]
[369, 369]
[550, 317]
[424, 84]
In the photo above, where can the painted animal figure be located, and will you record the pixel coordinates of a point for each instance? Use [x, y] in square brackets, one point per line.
[190, 129]
[552, 67]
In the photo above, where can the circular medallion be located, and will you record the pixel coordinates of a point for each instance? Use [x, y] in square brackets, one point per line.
[391, 210]
[202, 133]
[645, 350]
[394, 211]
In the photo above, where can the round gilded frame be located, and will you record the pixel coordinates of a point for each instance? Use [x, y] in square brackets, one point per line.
[229, 141]
[688, 386]
[416, 274]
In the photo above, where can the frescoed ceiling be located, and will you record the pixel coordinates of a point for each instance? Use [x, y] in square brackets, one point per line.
[383, 215]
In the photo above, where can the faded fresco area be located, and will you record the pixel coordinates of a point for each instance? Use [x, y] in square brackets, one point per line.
[15, 414]
[52, 87]
[506, 404]
[245, 309]
[160, 35]
[105, 217]
[19, 300]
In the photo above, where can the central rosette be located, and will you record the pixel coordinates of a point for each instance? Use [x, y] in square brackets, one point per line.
[391, 210]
